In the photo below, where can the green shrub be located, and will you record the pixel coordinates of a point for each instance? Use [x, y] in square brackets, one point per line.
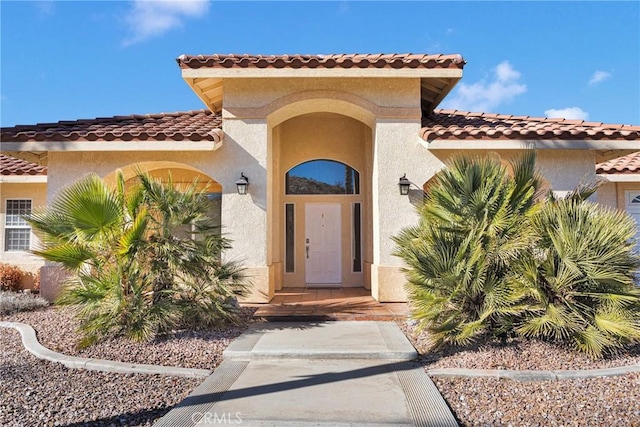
[490, 256]
[140, 259]
[473, 225]
[581, 277]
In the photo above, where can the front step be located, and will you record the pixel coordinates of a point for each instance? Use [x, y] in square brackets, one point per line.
[322, 340]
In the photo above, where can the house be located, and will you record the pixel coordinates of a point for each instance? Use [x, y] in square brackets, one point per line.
[23, 185]
[621, 188]
[323, 141]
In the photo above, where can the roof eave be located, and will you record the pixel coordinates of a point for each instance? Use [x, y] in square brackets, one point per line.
[524, 144]
[114, 145]
[23, 179]
[214, 77]
[240, 73]
[213, 103]
[620, 177]
[429, 105]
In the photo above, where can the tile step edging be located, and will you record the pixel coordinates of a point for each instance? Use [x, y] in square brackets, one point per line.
[33, 346]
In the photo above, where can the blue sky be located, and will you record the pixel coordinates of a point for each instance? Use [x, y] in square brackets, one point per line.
[67, 60]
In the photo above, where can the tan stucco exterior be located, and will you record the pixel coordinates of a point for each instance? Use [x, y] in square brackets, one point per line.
[373, 127]
[273, 124]
[614, 193]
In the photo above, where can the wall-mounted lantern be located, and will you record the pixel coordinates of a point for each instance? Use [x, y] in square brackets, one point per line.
[242, 184]
[404, 185]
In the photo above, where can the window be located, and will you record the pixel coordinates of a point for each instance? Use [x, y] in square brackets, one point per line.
[17, 233]
[322, 177]
[356, 238]
[289, 238]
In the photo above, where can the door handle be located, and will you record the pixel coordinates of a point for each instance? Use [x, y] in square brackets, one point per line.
[307, 248]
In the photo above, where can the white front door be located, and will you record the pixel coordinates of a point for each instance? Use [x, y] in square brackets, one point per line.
[323, 244]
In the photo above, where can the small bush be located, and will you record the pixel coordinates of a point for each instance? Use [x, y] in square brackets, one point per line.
[10, 277]
[11, 302]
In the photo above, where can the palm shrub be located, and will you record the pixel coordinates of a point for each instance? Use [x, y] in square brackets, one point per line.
[490, 255]
[140, 257]
[473, 225]
[580, 278]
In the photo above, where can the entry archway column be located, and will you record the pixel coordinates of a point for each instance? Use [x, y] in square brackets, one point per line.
[396, 151]
[244, 217]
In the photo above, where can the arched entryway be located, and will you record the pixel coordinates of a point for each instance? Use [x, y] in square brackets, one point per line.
[321, 180]
[180, 174]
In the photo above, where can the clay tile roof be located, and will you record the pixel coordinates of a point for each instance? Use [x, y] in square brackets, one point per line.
[460, 125]
[623, 165]
[395, 60]
[198, 125]
[13, 166]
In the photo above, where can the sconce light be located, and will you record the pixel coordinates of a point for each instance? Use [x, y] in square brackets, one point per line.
[242, 184]
[404, 185]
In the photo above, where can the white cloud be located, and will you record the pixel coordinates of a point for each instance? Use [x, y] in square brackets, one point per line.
[570, 113]
[45, 8]
[486, 96]
[599, 77]
[150, 18]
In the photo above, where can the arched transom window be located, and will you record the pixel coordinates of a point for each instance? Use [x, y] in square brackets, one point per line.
[322, 177]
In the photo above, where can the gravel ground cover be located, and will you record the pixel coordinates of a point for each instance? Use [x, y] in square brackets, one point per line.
[512, 354]
[612, 401]
[55, 328]
[36, 392]
[40, 393]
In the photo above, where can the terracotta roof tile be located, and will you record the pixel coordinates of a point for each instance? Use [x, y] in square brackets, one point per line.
[198, 125]
[620, 165]
[460, 125]
[394, 60]
[13, 166]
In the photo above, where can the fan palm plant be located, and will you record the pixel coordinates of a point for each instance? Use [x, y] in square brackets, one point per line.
[490, 255]
[135, 256]
[581, 277]
[473, 224]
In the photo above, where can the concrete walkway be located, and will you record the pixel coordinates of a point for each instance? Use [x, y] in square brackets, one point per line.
[352, 373]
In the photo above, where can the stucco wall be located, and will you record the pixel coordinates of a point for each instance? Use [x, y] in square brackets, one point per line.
[614, 193]
[243, 217]
[257, 93]
[607, 196]
[563, 170]
[37, 193]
